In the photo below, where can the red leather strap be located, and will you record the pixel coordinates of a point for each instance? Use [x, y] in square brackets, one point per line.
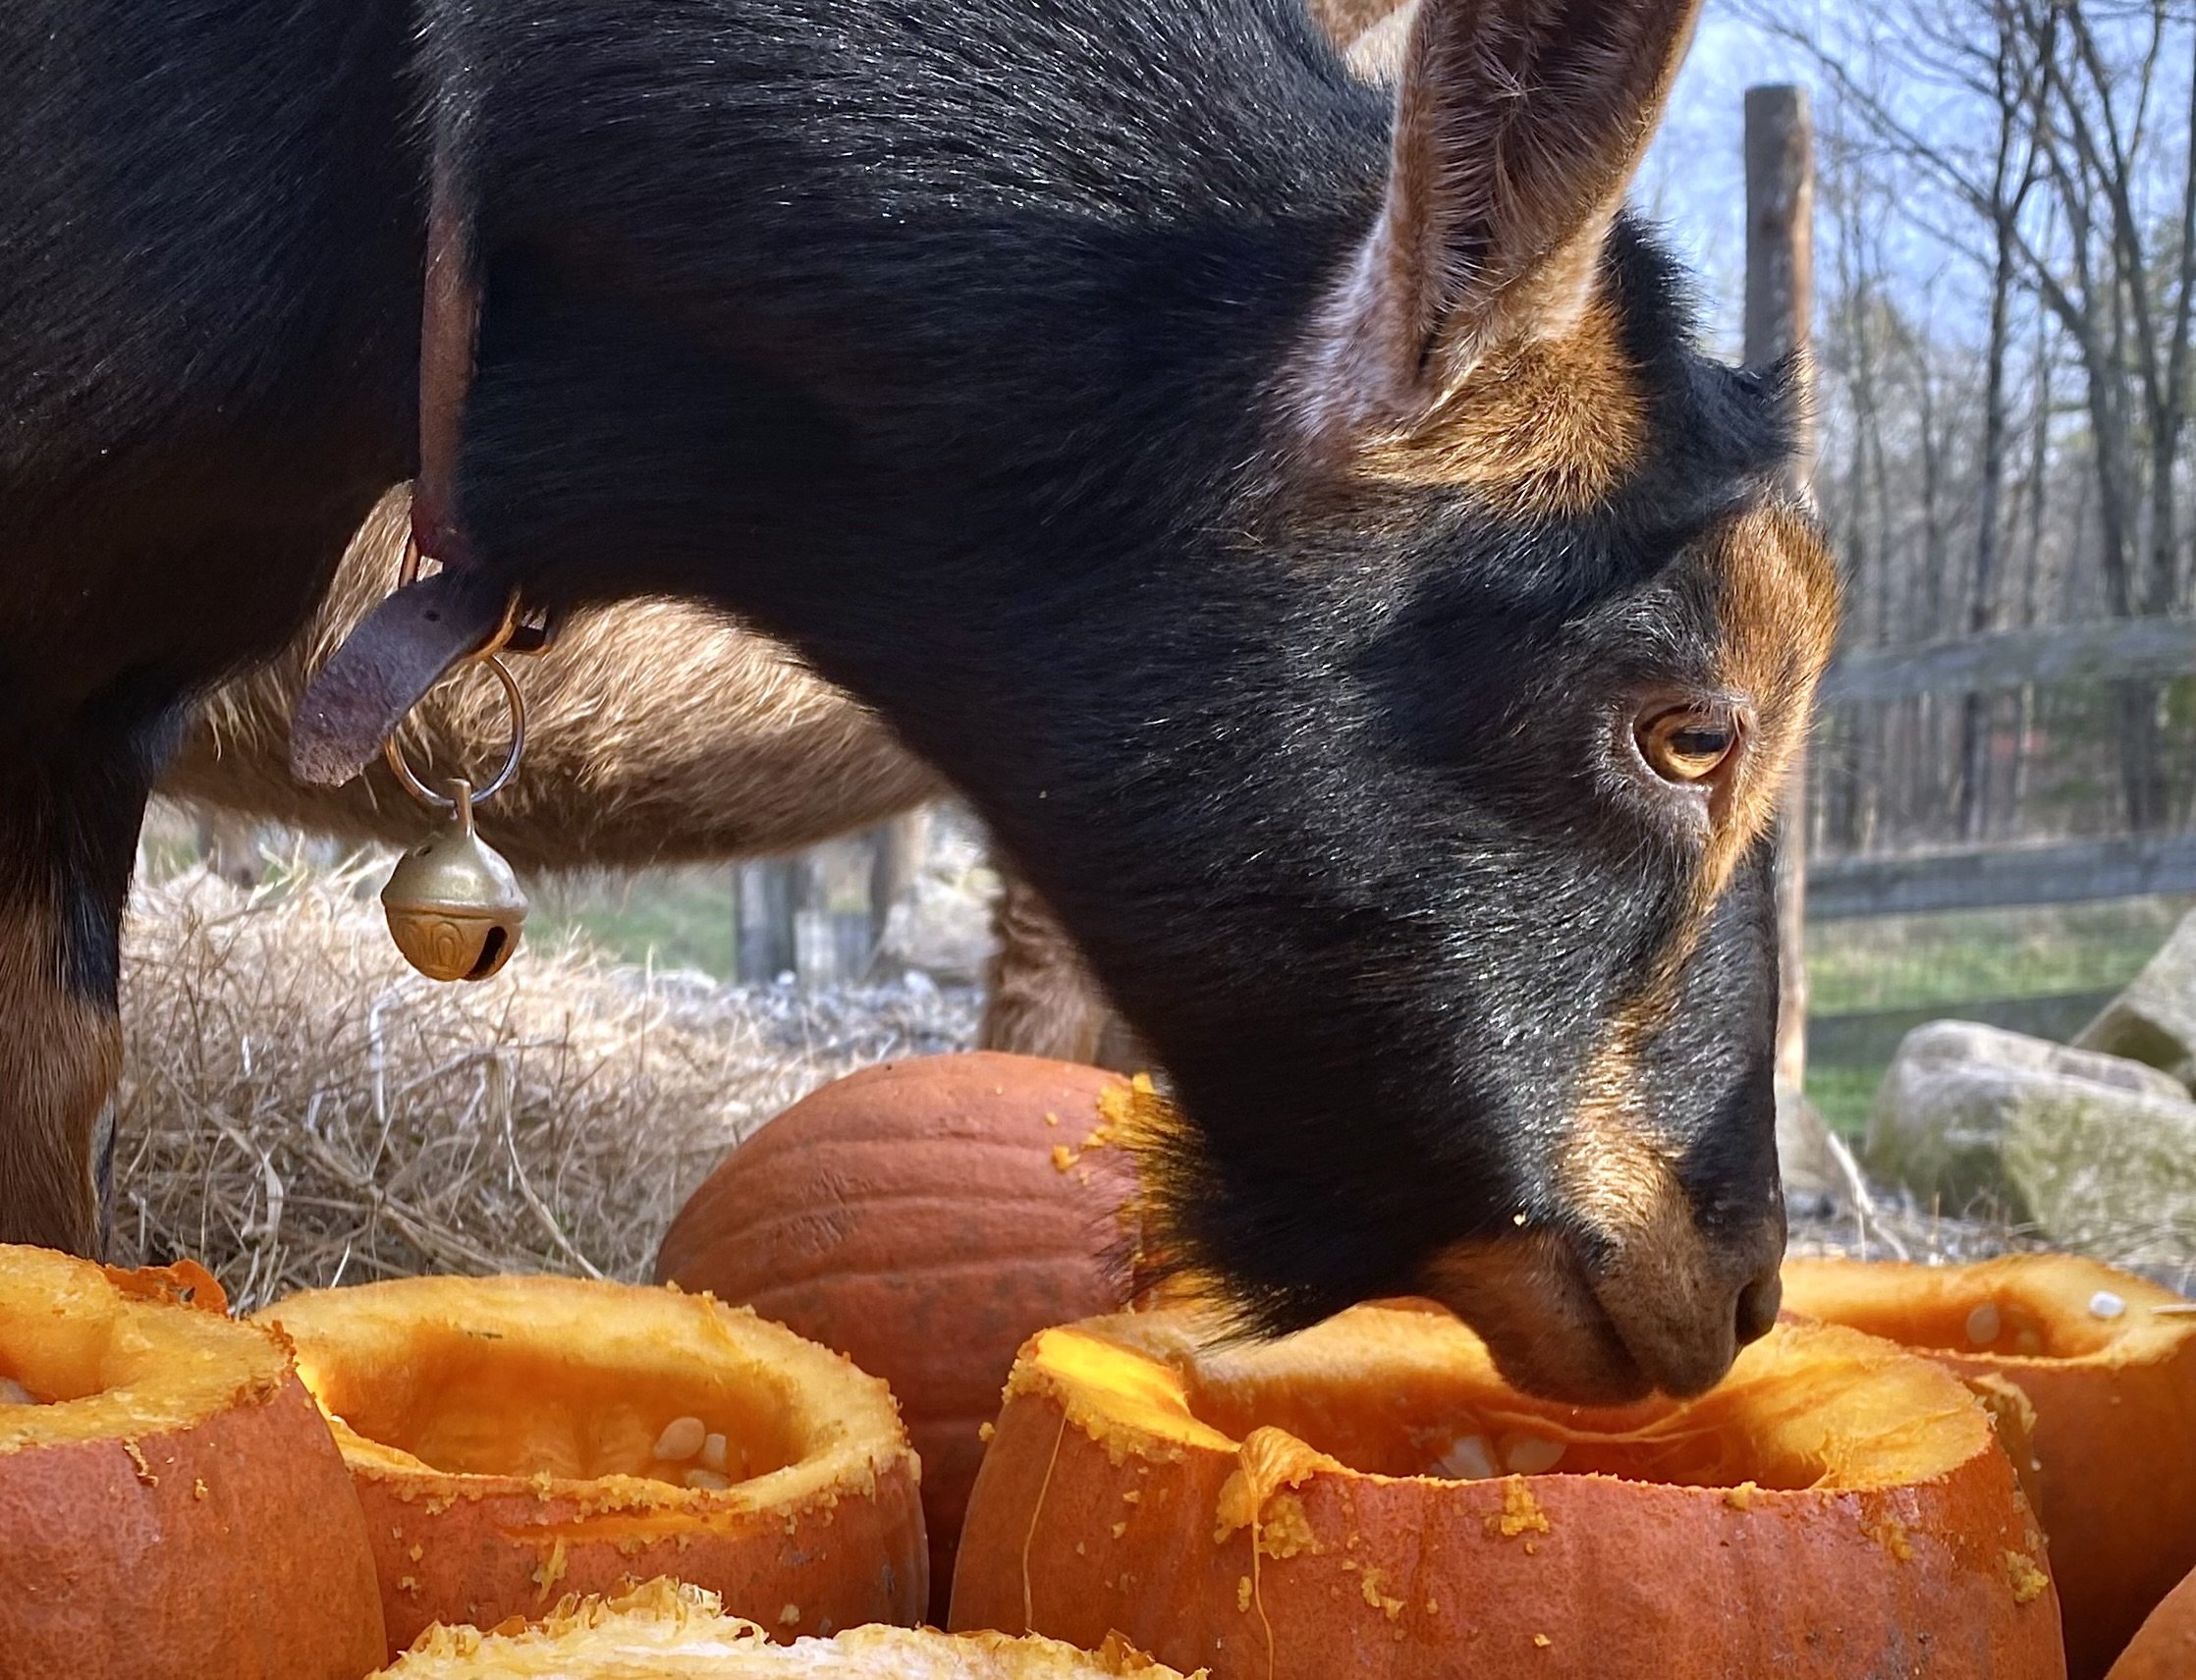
[431, 624]
[448, 341]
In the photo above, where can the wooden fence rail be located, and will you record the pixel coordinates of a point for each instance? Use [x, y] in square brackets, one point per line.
[2150, 649]
[2065, 873]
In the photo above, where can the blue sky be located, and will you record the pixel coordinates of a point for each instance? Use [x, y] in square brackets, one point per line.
[1695, 182]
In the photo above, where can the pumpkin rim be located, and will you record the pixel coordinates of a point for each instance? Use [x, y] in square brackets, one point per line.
[2139, 1335]
[1170, 1348]
[160, 1365]
[846, 1421]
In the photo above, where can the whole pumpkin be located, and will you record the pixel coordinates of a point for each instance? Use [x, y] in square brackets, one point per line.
[171, 1506]
[2112, 1381]
[2164, 1646]
[1368, 1500]
[925, 1217]
[671, 1632]
[517, 1438]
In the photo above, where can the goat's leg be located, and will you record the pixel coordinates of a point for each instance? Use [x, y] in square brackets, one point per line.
[70, 811]
[229, 841]
[1043, 999]
[1120, 1049]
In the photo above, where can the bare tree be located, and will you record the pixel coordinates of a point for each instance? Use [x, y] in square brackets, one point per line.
[2032, 161]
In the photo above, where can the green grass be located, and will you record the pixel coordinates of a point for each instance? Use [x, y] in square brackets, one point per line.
[1843, 1095]
[1946, 963]
[1910, 962]
[683, 918]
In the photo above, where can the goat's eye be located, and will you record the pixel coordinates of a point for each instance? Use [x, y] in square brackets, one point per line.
[1686, 743]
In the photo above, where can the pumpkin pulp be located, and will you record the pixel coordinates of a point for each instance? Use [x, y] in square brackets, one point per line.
[98, 1360]
[664, 1630]
[2110, 1385]
[171, 1506]
[516, 1379]
[2050, 1309]
[504, 1405]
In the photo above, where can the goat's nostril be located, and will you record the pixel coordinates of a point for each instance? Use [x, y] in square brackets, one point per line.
[1758, 1302]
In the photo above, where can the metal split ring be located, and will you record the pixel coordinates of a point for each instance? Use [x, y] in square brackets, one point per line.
[515, 702]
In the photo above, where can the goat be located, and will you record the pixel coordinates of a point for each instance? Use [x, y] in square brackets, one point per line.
[1298, 518]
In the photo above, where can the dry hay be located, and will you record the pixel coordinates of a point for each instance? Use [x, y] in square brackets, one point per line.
[1896, 1226]
[297, 1107]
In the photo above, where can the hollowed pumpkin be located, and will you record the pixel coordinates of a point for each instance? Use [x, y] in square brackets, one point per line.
[671, 1632]
[171, 1506]
[517, 1438]
[1369, 1499]
[926, 1219]
[2112, 1383]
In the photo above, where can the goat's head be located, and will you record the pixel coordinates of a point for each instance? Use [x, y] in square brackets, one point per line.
[1314, 542]
[1469, 984]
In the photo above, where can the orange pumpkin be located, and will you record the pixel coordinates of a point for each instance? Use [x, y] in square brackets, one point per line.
[1368, 1500]
[2164, 1646]
[663, 1629]
[514, 1439]
[2112, 1385]
[171, 1506]
[926, 1219]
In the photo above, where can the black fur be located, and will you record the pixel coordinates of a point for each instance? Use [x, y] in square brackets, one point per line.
[939, 336]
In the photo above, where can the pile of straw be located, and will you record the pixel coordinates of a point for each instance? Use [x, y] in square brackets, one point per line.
[297, 1107]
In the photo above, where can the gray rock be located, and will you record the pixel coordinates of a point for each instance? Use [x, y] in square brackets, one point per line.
[1943, 1042]
[2154, 1021]
[1818, 1172]
[2086, 1147]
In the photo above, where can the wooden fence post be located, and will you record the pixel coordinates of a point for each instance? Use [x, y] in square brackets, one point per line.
[771, 892]
[897, 847]
[1780, 311]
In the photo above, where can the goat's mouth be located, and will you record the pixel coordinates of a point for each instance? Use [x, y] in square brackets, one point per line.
[1562, 1331]
[1531, 1302]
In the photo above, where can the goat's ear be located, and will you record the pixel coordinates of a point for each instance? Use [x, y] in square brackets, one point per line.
[1518, 127]
[1377, 53]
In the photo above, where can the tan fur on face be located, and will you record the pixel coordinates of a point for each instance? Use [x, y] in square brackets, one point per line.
[1377, 54]
[59, 1055]
[1530, 1302]
[1345, 21]
[1546, 426]
[1777, 612]
[1618, 1178]
[1778, 601]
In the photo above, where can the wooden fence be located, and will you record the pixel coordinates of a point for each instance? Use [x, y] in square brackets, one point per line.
[820, 916]
[1851, 1047]
[1997, 876]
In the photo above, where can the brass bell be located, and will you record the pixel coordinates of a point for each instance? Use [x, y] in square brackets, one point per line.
[454, 907]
